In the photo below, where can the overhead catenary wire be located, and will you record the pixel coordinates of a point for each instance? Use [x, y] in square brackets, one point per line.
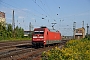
[48, 7]
[43, 4]
[8, 6]
[41, 8]
[20, 9]
[50, 11]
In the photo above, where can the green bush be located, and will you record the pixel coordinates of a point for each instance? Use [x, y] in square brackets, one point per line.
[73, 50]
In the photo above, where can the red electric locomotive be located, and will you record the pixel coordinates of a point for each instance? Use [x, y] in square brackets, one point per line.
[43, 36]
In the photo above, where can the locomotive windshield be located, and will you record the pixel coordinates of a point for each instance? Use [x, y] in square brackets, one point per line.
[38, 32]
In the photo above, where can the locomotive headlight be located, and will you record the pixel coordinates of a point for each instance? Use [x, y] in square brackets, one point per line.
[44, 41]
[34, 36]
[41, 37]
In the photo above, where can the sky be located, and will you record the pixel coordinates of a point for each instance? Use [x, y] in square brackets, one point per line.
[46, 12]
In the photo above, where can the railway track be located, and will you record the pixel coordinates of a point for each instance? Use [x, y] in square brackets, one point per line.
[37, 56]
[25, 52]
[13, 44]
[10, 54]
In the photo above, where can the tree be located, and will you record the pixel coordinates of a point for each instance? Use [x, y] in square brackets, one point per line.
[9, 30]
[3, 33]
[19, 32]
[6, 31]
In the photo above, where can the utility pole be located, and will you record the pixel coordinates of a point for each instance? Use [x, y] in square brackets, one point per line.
[30, 29]
[74, 27]
[13, 25]
[83, 24]
[13, 22]
[87, 29]
[30, 26]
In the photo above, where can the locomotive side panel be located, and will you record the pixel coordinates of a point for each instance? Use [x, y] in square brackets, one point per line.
[53, 37]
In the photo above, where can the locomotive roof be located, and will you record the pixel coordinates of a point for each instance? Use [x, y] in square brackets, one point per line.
[52, 30]
[43, 27]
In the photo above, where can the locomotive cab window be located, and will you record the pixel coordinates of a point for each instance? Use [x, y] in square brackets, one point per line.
[47, 33]
[38, 32]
